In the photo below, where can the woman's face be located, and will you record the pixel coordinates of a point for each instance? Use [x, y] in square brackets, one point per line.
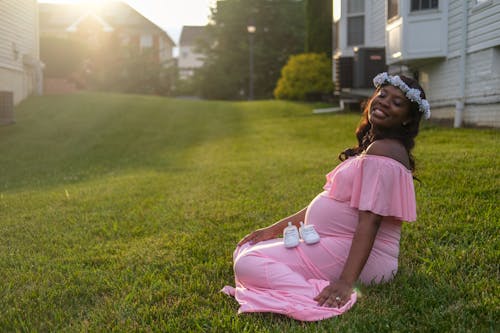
[389, 108]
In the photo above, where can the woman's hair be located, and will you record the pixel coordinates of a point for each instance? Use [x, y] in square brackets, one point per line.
[406, 134]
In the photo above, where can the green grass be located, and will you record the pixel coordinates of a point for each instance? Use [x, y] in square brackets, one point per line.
[120, 213]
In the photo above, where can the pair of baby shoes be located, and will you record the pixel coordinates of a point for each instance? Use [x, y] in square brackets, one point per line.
[292, 235]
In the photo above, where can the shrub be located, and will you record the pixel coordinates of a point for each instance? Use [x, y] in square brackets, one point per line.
[304, 76]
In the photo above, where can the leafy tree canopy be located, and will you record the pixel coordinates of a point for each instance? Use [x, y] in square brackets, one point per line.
[319, 26]
[279, 34]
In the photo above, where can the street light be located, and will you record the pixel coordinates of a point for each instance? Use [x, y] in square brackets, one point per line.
[251, 31]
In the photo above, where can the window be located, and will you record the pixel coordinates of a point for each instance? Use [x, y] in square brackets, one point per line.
[355, 6]
[146, 41]
[355, 30]
[392, 9]
[125, 40]
[423, 4]
[355, 22]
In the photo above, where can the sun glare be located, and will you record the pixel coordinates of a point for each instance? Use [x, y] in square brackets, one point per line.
[86, 3]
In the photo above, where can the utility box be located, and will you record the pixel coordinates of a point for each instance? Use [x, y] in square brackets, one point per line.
[6, 107]
[368, 62]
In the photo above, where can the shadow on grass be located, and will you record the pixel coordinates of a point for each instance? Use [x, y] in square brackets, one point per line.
[72, 138]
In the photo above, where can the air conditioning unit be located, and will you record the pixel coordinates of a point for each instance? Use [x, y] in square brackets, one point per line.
[6, 107]
[368, 62]
[343, 69]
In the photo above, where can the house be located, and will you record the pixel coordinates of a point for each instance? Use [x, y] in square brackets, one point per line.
[452, 47]
[20, 67]
[102, 24]
[358, 46]
[189, 56]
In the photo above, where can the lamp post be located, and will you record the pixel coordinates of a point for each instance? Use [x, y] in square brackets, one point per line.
[251, 30]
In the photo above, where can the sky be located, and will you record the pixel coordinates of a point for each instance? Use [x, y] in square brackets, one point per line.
[170, 15]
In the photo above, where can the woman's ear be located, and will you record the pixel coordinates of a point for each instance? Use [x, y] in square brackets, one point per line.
[407, 120]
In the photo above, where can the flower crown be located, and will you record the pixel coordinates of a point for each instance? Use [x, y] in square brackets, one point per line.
[411, 93]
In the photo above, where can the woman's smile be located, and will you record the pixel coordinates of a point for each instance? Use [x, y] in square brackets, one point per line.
[379, 113]
[389, 108]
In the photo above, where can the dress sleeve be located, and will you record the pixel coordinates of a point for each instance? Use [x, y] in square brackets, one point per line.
[375, 183]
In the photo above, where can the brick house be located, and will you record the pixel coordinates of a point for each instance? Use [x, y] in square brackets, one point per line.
[97, 26]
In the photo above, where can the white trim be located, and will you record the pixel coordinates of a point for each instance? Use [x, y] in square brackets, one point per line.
[476, 48]
[74, 26]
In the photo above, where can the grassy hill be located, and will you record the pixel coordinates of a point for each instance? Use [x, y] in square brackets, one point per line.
[121, 212]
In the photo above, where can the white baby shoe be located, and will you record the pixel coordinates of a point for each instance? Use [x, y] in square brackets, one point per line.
[308, 233]
[291, 236]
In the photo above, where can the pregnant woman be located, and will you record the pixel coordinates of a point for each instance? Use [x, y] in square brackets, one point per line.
[358, 217]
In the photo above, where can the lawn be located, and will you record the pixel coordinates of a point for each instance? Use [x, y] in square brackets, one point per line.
[120, 213]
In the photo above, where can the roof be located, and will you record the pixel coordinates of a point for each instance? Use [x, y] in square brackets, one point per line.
[105, 25]
[112, 14]
[190, 34]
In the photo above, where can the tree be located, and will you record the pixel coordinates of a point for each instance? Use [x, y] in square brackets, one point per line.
[319, 26]
[319, 17]
[279, 34]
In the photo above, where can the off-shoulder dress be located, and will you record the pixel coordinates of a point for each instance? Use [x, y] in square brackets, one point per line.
[272, 278]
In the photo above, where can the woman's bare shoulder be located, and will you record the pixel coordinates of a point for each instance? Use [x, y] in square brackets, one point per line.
[390, 148]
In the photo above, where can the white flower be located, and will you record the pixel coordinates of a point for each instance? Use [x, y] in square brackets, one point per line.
[380, 79]
[425, 108]
[414, 95]
[396, 81]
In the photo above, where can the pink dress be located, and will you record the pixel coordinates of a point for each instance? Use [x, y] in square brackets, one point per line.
[272, 278]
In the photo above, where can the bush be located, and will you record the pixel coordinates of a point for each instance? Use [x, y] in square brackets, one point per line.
[304, 76]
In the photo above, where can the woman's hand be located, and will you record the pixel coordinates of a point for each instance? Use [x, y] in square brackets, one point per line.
[336, 294]
[260, 235]
[273, 231]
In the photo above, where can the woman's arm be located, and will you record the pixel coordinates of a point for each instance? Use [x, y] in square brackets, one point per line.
[339, 292]
[273, 231]
[361, 246]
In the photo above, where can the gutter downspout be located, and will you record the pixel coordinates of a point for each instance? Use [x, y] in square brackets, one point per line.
[460, 103]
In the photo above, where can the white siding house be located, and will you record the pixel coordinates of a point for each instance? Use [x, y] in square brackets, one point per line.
[20, 67]
[360, 24]
[359, 44]
[455, 50]
[189, 57]
[452, 47]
